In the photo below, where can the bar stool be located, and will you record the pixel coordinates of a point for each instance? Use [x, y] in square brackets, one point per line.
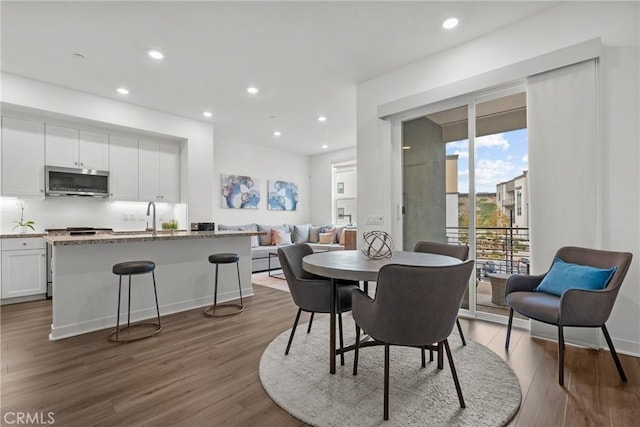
[217, 259]
[131, 268]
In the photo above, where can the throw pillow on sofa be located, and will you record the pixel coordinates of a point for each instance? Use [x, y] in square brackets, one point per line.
[279, 237]
[266, 239]
[327, 237]
[314, 234]
[301, 233]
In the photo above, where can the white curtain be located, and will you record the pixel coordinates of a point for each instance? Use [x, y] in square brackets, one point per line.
[564, 169]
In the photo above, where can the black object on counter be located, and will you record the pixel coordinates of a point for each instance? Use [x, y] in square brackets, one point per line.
[203, 226]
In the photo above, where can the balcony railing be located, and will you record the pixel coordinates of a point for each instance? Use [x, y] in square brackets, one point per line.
[498, 249]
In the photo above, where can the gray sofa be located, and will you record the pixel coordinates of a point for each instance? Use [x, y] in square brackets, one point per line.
[262, 246]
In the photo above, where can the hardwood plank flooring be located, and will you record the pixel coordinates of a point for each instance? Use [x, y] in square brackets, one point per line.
[204, 372]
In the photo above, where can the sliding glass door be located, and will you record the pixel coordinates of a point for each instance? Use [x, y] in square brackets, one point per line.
[465, 182]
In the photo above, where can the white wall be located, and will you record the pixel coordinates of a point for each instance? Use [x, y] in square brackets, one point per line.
[43, 97]
[320, 183]
[617, 26]
[263, 163]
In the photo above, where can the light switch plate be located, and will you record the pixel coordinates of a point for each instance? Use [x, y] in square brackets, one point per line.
[374, 220]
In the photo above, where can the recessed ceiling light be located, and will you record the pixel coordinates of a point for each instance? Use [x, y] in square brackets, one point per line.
[277, 133]
[155, 54]
[252, 90]
[322, 119]
[450, 23]
[123, 91]
[207, 114]
[406, 147]
[325, 146]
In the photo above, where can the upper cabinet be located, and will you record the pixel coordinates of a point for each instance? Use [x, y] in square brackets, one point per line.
[138, 169]
[75, 148]
[123, 175]
[22, 157]
[158, 171]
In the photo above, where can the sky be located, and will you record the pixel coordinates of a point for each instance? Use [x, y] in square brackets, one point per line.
[499, 157]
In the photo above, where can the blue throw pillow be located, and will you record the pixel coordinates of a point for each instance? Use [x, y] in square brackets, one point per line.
[565, 275]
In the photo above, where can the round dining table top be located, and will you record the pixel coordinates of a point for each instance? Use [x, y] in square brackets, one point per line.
[354, 265]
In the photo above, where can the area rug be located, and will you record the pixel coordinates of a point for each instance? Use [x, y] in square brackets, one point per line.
[300, 383]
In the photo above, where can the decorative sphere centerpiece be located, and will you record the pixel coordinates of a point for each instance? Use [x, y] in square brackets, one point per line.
[376, 244]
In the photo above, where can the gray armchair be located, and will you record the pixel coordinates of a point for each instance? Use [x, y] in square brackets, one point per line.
[576, 307]
[311, 293]
[413, 306]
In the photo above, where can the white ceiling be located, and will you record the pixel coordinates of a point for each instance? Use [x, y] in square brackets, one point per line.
[306, 57]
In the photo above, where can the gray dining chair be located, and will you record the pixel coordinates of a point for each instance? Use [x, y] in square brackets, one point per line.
[312, 293]
[574, 307]
[456, 251]
[413, 306]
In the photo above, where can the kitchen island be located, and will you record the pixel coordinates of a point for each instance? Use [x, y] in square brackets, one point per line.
[85, 291]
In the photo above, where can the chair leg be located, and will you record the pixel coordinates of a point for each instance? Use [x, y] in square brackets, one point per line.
[118, 313]
[310, 322]
[386, 381]
[239, 284]
[341, 335]
[341, 338]
[356, 351]
[431, 355]
[293, 331]
[155, 293]
[506, 344]
[464, 342]
[129, 305]
[424, 359]
[440, 356]
[454, 373]
[560, 355]
[612, 349]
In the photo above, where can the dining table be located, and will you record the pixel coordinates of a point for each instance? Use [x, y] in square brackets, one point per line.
[355, 265]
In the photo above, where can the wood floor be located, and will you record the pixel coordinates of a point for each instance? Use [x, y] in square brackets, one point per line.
[204, 372]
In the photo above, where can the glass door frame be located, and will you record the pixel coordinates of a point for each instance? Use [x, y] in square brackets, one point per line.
[396, 121]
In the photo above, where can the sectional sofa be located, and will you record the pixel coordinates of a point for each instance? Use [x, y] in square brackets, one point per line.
[320, 238]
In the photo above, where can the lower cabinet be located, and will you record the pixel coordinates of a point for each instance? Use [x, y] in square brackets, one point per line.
[23, 267]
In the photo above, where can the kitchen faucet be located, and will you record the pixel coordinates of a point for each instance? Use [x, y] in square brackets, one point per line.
[153, 223]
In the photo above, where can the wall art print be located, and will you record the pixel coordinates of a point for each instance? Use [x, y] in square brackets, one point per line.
[283, 196]
[240, 192]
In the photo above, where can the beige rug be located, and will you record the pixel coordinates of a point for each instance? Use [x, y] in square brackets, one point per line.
[300, 383]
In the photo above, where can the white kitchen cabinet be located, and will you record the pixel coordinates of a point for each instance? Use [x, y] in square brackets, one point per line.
[23, 267]
[22, 157]
[123, 172]
[159, 167]
[93, 150]
[75, 148]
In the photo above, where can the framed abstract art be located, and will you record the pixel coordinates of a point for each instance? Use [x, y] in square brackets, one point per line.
[283, 195]
[240, 192]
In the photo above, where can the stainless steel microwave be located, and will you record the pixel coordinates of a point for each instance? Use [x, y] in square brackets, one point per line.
[61, 181]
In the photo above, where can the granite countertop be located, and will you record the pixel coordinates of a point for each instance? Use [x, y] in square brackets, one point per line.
[143, 236]
[21, 235]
